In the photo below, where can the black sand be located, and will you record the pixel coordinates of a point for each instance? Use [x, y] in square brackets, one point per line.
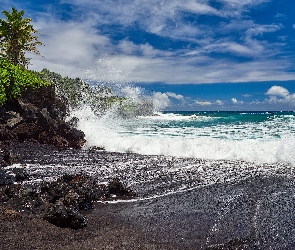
[250, 205]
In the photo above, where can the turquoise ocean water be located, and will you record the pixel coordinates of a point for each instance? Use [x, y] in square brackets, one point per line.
[251, 136]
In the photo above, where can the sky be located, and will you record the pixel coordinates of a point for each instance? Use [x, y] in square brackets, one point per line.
[187, 55]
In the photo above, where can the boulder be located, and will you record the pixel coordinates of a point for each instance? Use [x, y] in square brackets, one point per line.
[9, 214]
[8, 158]
[59, 202]
[66, 197]
[12, 118]
[117, 188]
[78, 190]
[45, 98]
[63, 215]
[6, 177]
[6, 134]
[25, 131]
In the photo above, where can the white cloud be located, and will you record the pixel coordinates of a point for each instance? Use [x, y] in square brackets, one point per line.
[235, 101]
[199, 8]
[160, 101]
[241, 4]
[178, 97]
[261, 29]
[255, 102]
[71, 47]
[293, 26]
[229, 47]
[279, 15]
[129, 48]
[279, 94]
[219, 102]
[203, 103]
[278, 91]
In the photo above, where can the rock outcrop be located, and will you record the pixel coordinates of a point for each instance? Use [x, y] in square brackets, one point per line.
[40, 116]
[59, 202]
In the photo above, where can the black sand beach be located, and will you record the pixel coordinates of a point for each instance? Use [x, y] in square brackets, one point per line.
[180, 203]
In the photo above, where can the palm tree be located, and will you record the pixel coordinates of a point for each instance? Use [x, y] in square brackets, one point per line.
[17, 37]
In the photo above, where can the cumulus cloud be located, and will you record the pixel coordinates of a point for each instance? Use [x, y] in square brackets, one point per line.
[278, 91]
[160, 101]
[235, 101]
[219, 102]
[279, 94]
[208, 103]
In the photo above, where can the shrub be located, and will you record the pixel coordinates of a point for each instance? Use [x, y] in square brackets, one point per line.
[14, 80]
[77, 92]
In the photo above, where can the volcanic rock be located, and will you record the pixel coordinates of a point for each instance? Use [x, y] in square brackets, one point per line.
[39, 115]
[6, 177]
[8, 158]
[9, 214]
[117, 188]
[59, 202]
[63, 215]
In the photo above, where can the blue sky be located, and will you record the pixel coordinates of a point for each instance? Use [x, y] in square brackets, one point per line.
[188, 55]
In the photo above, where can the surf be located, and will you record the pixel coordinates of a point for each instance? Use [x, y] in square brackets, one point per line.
[195, 135]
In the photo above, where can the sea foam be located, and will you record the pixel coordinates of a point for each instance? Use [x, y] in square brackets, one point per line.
[142, 136]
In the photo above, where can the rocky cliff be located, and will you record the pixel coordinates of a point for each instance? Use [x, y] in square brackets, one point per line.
[38, 115]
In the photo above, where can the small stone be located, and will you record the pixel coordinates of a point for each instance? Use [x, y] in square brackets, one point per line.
[117, 188]
[9, 214]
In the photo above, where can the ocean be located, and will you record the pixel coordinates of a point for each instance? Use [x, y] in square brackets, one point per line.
[261, 137]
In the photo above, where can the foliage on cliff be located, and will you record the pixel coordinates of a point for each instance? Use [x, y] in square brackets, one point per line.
[14, 80]
[76, 92]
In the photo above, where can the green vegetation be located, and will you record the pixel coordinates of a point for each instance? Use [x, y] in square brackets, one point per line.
[78, 93]
[14, 80]
[17, 37]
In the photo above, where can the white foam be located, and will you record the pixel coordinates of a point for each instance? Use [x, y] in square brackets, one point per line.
[216, 143]
[175, 117]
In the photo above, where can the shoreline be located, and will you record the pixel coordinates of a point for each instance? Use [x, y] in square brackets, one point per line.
[180, 203]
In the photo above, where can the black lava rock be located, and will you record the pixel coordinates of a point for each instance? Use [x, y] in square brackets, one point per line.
[39, 115]
[116, 187]
[63, 215]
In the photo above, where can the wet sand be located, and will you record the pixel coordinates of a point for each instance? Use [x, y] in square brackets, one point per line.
[104, 231]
